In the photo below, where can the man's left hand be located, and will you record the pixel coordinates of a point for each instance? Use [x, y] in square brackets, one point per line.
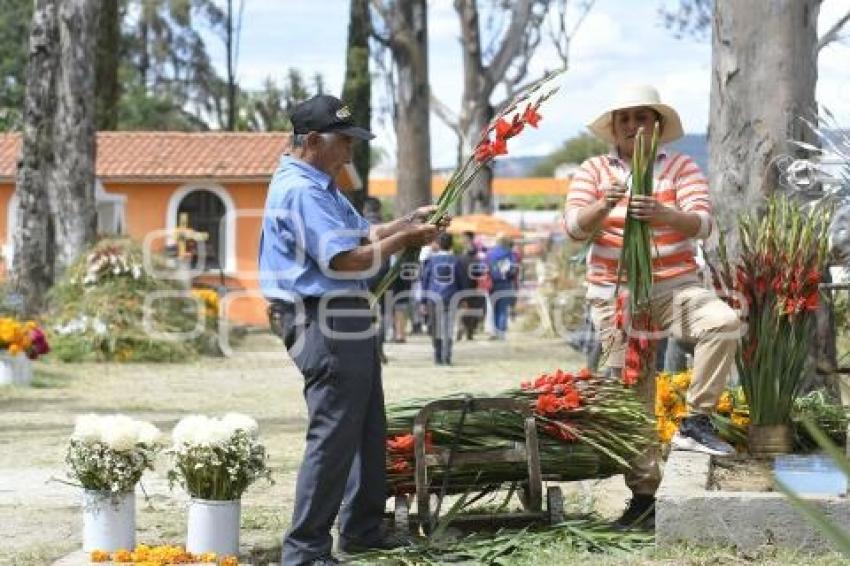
[423, 213]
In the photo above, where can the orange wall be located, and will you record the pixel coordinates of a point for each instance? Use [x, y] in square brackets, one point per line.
[145, 211]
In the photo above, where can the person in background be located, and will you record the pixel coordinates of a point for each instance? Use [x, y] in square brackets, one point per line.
[401, 292]
[503, 267]
[473, 305]
[442, 279]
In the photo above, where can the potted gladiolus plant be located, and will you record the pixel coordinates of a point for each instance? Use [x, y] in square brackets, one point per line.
[776, 278]
[106, 456]
[215, 460]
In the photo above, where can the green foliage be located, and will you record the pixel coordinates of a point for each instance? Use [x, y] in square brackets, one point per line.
[137, 110]
[102, 318]
[267, 110]
[506, 547]
[574, 150]
[15, 16]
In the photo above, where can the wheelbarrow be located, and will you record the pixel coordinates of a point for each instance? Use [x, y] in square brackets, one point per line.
[531, 495]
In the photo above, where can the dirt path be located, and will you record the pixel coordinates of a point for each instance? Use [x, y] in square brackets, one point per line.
[41, 519]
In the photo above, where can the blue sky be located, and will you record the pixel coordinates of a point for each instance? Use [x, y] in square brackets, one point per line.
[620, 42]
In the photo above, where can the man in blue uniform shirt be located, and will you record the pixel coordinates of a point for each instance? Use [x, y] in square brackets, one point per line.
[316, 254]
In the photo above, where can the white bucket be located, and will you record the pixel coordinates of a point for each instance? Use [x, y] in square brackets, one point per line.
[15, 370]
[214, 526]
[109, 522]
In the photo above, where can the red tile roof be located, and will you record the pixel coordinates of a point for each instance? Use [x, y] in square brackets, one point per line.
[156, 156]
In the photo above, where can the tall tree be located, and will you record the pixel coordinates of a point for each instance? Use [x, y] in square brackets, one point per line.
[402, 28]
[32, 267]
[357, 88]
[764, 62]
[107, 89]
[500, 61]
[71, 185]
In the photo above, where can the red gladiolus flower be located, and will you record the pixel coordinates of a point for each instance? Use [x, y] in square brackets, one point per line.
[500, 147]
[584, 374]
[558, 430]
[530, 116]
[400, 466]
[630, 376]
[571, 400]
[547, 404]
[812, 302]
[401, 444]
[813, 277]
[484, 152]
[506, 130]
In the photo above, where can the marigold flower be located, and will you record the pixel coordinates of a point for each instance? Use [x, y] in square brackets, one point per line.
[229, 561]
[724, 405]
[99, 556]
[122, 555]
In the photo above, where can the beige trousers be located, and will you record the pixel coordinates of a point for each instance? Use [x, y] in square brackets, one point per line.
[691, 314]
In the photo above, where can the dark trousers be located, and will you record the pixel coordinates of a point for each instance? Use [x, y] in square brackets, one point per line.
[442, 319]
[501, 310]
[346, 429]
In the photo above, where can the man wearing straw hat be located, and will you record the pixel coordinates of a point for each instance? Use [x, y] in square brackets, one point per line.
[679, 212]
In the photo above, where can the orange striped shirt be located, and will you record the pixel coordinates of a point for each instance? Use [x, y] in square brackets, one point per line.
[678, 183]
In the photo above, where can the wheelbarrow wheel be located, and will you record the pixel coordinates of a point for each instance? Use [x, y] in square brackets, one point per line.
[555, 505]
[401, 518]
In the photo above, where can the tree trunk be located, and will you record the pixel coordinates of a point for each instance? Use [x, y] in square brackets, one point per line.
[764, 72]
[357, 90]
[476, 110]
[231, 71]
[71, 185]
[412, 106]
[108, 57]
[33, 262]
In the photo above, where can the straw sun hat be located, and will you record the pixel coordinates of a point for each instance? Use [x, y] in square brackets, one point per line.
[634, 96]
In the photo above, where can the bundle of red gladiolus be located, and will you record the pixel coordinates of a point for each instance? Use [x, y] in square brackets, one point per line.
[588, 427]
[775, 283]
[507, 124]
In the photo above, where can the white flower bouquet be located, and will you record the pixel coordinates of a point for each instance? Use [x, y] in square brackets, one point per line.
[217, 459]
[110, 452]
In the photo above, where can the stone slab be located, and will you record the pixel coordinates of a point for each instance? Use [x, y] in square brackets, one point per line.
[687, 512]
